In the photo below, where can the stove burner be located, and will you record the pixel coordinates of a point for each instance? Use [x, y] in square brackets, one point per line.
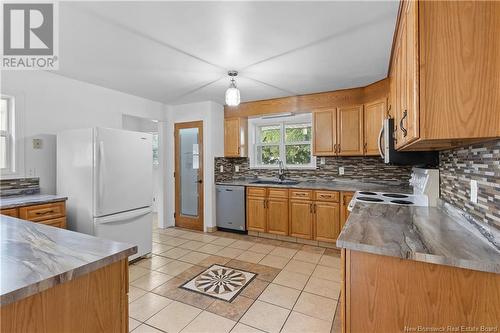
[369, 199]
[394, 195]
[402, 202]
[367, 193]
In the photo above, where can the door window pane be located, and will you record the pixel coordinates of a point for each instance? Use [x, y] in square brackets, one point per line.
[189, 165]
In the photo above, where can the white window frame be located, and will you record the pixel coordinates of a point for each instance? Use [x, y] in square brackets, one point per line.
[255, 123]
[10, 136]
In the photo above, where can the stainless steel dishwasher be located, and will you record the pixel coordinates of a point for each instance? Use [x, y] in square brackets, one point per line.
[230, 207]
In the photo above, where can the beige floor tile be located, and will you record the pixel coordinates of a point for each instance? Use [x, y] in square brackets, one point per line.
[146, 329]
[170, 289]
[151, 280]
[291, 279]
[194, 257]
[172, 232]
[280, 295]
[265, 316]
[135, 272]
[254, 288]
[134, 293]
[301, 267]
[242, 328]
[274, 261]
[283, 252]
[210, 248]
[174, 317]
[316, 306]
[214, 260]
[159, 248]
[230, 252]
[208, 322]
[147, 305]
[192, 245]
[327, 273]
[314, 249]
[262, 248]
[329, 261]
[252, 257]
[191, 272]
[175, 253]
[222, 241]
[300, 323]
[154, 262]
[323, 287]
[208, 238]
[337, 322]
[307, 256]
[232, 310]
[265, 273]
[242, 245]
[174, 241]
[132, 324]
[192, 236]
[332, 252]
[175, 267]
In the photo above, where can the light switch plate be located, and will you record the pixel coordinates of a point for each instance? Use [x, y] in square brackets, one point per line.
[221, 168]
[473, 191]
[37, 143]
[341, 171]
[236, 168]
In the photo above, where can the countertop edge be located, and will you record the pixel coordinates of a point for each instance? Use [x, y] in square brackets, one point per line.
[487, 267]
[40, 286]
[32, 202]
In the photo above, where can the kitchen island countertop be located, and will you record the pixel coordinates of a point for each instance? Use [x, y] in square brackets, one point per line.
[35, 257]
[29, 199]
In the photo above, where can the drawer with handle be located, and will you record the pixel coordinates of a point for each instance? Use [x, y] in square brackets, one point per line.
[43, 212]
[330, 196]
[301, 194]
[59, 222]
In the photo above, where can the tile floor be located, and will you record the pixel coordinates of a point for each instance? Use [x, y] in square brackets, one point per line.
[296, 290]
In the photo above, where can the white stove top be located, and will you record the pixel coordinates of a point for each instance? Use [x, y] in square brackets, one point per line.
[389, 199]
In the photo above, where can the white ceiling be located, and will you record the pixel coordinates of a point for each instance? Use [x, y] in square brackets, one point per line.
[179, 52]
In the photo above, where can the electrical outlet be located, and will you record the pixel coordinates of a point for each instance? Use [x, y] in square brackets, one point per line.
[37, 143]
[473, 191]
[236, 168]
[221, 168]
[341, 171]
[322, 161]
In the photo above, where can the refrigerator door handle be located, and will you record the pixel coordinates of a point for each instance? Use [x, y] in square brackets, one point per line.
[121, 217]
[100, 161]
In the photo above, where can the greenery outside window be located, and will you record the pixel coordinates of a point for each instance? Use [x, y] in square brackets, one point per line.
[6, 134]
[288, 140]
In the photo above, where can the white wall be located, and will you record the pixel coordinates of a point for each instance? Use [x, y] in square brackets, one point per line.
[212, 115]
[50, 103]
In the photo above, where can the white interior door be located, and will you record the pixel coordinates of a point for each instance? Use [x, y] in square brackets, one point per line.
[123, 171]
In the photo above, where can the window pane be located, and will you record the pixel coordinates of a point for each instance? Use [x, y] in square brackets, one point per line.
[298, 154]
[270, 134]
[3, 115]
[298, 132]
[3, 152]
[268, 155]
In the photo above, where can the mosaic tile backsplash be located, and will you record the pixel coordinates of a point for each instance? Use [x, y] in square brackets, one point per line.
[358, 168]
[479, 162]
[19, 186]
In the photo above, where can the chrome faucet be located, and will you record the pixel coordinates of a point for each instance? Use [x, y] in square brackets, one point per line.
[281, 170]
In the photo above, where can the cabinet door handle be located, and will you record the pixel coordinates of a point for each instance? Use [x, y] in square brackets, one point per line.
[338, 148]
[311, 208]
[405, 131]
[45, 213]
[314, 208]
[264, 203]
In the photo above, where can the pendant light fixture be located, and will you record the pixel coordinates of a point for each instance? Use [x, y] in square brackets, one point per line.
[232, 93]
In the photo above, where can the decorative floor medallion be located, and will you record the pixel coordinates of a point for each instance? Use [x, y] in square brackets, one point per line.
[220, 282]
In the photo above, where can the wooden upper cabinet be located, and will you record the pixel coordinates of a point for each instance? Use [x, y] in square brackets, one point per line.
[325, 132]
[350, 130]
[235, 137]
[374, 116]
[446, 71]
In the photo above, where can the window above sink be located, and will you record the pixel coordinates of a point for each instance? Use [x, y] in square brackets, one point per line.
[282, 138]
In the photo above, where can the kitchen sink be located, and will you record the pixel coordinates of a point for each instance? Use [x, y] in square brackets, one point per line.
[275, 182]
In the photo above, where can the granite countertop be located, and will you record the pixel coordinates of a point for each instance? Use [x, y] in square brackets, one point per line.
[337, 185]
[35, 257]
[427, 234]
[30, 199]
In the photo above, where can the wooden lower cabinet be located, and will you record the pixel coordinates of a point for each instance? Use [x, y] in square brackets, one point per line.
[256, 214]
[326, 221]
[345, 198]
[389, 294]
[301, 218]
[13, 212]
[53, 214]
[277, 216]
[94, 302]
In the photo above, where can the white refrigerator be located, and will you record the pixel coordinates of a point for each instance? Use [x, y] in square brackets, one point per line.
[107, 176]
